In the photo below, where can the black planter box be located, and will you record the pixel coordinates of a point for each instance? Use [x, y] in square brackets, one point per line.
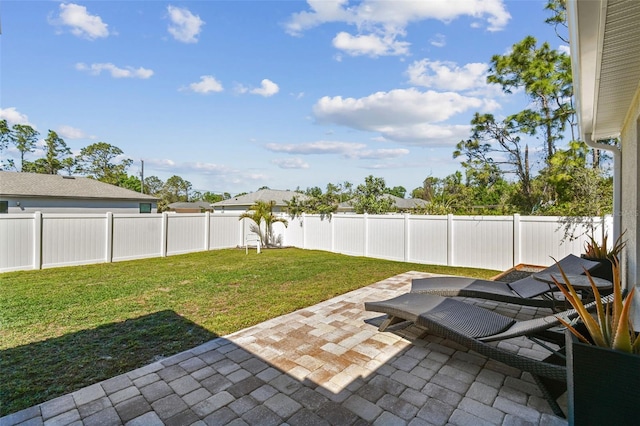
[603, 385]
[604, 270]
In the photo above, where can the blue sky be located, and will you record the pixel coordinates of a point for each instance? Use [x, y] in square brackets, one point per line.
[236, 95]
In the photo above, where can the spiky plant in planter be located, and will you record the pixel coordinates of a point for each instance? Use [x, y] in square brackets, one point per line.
[603, 357]
[599, 252]
[611, 326]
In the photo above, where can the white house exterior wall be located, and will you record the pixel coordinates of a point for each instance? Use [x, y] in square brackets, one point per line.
[630, 200]
[71, 205]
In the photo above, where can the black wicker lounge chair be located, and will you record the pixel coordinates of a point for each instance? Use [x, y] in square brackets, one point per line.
[474, 327]
[527, 291]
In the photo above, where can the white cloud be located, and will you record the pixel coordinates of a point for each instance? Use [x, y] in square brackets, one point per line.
[319, 147]
[400, 106]
[403, 115]
[356, 151]
[397, 14]
[376, 154]
[82, 23]
[207, 84]
[13, 116]
[267, 88]
[290, 163]
[184, 26]
[563, 48]
[371, 45]
[68, 132]
[439, 40]
[378, 23]
[116, 72]
[447, 75]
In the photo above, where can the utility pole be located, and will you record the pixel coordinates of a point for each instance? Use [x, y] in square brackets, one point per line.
[142, 177]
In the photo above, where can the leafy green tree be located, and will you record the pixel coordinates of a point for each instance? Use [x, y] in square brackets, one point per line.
[212, 197]
[103, 162]
[24, 137]
[153, 185]
[317, 202]
[558, 19]
[5, 139]
[372, 197]
[131, 182]
[261, 213]
[56, 150]
[69, 165]
[544, 74]
[176, 189]
[496, 147]
[574, 189]
[398, 191]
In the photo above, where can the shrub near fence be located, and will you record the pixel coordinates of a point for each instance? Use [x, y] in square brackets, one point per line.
[44, 240]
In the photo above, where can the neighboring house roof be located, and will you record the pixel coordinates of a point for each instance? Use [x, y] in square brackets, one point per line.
[280, 197]
[19, 184]
[191, 205]
[399, 203]
[408, 203]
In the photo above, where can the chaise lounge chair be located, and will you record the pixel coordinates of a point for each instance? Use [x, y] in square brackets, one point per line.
[474, 327]
[526, 291]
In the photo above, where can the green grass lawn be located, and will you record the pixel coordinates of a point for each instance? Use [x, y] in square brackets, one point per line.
[65, 328]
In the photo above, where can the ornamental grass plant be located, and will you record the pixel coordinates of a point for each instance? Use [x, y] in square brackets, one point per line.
[610, 326]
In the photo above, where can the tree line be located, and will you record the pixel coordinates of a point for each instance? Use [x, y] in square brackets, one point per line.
[100, 161]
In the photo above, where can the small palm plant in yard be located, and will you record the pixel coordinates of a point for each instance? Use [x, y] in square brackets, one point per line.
[62, 329]
[261, 213]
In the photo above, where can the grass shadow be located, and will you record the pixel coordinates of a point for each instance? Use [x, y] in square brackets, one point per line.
[40, 371]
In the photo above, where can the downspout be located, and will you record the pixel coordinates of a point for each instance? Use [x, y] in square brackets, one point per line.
[617, 180]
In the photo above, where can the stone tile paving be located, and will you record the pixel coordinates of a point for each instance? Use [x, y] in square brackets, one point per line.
[323, 365]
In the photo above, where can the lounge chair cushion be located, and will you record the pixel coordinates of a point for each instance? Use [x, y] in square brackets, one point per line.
[467, 319]
[470, 320]
[523, 291]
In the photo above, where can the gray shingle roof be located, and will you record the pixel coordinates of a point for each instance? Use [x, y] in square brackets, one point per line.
[399, 203]
[40, 185]
[190, 205]
[262, 195]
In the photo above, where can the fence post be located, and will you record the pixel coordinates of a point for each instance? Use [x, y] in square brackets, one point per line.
[304, 230]
[407, 237]
[164, 234]
[365, 218]
[450, 240]
[517, 247]
[333, 234]
[108, 250]
[207, 229]
[37, 240]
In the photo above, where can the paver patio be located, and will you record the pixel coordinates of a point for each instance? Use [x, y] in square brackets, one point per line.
[322, 365]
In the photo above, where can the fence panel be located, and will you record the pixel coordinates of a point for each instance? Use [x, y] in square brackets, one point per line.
[350, 234]
[225, 231]
[543, 239]
[386, 237]
[293, 236]
[482, 242]
[496, 242]
[428, 242]
[317, 233]
[73, 239]
[17, 242]
[185, 233]
[136, 236]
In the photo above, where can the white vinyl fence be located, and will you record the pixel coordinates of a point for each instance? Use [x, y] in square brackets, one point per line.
[35, 241]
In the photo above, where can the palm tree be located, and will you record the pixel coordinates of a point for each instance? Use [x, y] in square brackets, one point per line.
[262, 212]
